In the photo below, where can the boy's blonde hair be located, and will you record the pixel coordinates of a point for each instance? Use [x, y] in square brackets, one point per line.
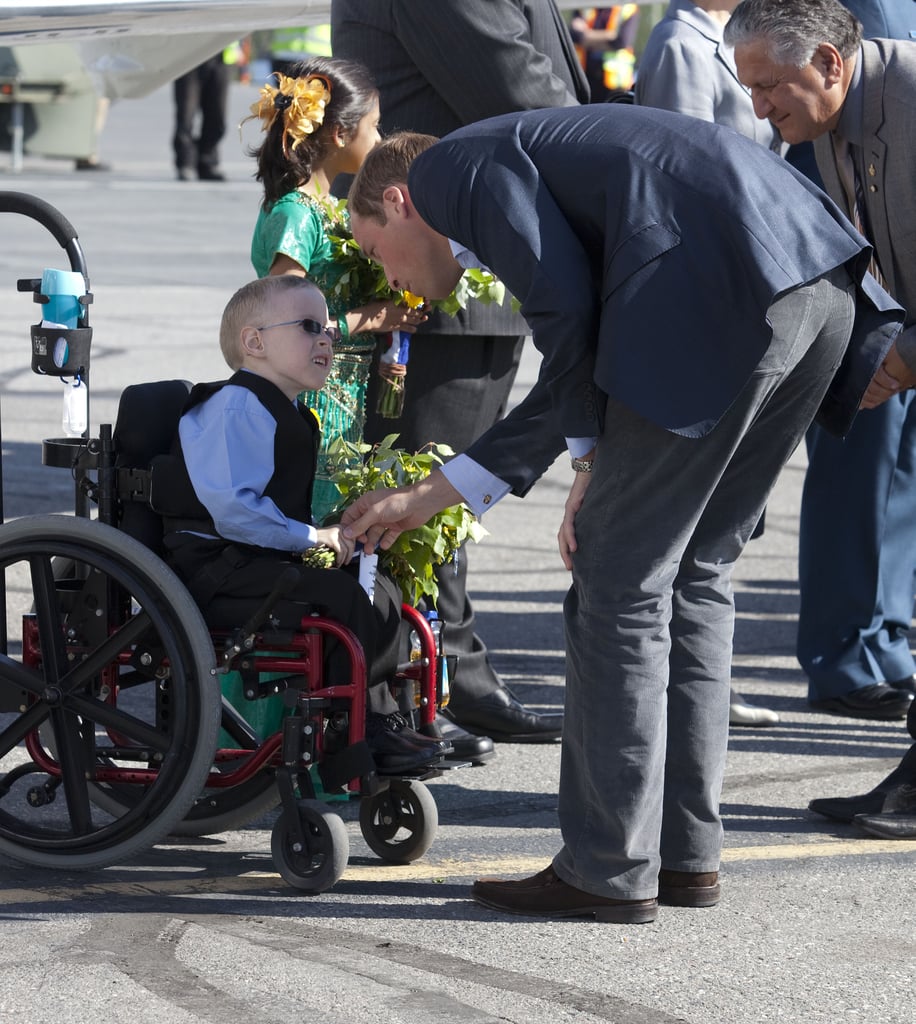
[250, 307]
[385, 164]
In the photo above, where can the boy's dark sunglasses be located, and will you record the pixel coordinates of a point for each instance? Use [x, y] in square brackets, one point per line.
[310, 327]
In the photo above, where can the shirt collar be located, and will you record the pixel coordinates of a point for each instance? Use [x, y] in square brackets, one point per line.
[465, 258]
[850, 126]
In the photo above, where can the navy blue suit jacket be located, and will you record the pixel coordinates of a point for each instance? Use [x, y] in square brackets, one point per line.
[645, 248]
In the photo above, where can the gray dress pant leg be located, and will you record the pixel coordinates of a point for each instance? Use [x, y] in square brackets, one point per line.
[650, 614]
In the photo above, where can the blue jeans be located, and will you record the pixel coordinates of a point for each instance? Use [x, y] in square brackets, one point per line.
[650, 615]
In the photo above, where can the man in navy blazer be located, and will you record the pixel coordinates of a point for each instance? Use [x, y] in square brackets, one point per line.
[688, 338]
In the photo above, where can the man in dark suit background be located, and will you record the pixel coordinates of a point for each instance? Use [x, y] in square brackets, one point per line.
[688, 338]
[439, 66]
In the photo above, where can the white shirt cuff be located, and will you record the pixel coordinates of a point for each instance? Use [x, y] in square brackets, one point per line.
[579, 446]
[479, 488]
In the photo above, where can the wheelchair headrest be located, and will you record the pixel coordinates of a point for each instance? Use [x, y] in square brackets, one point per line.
[147, 423]
[148, 416]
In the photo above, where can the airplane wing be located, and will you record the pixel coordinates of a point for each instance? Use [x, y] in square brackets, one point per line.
[131, 47]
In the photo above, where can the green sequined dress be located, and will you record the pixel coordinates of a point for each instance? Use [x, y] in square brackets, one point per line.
[297, 226]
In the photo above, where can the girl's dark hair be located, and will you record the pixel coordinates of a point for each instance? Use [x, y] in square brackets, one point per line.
[353, 92]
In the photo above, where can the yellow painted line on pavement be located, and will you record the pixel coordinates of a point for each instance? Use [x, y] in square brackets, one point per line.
[247, 883]
[445, 869]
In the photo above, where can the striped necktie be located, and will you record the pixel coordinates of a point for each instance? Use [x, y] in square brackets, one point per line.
[855, 200]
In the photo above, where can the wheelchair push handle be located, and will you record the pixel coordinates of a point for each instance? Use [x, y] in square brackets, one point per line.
[51, 218]
[61, 342]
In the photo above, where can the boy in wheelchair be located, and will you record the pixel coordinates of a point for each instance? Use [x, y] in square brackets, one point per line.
[239, 501]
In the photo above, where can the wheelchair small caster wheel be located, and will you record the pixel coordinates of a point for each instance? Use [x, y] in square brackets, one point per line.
[318, 864]
[399, 823]
[41, 796]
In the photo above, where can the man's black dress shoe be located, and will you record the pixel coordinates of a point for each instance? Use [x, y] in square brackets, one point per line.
[465, 746]
[846, 808]
[501, 717]
[908, 684]
[547, 895]
[897, 819]
[888, 826]
[876, 701]
[398, 748]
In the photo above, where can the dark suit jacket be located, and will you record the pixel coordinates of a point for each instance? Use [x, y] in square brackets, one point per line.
[645, 247]
[441, 64]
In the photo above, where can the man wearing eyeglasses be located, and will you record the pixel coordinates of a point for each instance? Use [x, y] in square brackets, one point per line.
[238, 502]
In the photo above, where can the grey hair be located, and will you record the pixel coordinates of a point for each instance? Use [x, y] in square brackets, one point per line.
[793, 29]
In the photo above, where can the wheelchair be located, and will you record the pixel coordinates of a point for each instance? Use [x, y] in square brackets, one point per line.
[115, 730]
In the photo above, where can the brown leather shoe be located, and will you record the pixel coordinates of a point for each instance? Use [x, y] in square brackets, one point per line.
[688, 889]
[546, 895]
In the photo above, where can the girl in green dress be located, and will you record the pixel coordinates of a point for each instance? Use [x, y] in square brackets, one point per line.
[321, 121]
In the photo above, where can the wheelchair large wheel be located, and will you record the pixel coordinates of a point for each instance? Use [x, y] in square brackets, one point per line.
[107, 681]
[399, 823]
[316, 868]
[214, 810]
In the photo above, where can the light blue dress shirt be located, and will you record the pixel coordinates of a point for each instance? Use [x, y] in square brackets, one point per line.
[228, 445]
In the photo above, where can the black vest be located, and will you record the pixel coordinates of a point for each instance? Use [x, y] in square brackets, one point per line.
[295, 459]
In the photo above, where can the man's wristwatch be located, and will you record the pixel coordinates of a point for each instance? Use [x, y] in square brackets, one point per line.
[583, 465]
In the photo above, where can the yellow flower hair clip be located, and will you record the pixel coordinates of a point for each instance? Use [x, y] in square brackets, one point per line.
[301, 101]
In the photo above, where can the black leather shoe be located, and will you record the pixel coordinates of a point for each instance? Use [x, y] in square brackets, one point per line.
[876, 701]
[397, 748]
[546, 895]
[846, 808]
[505, 720]
[888, 826]
[907, 684]
[210, 174]
[466, 746]
[897, 820]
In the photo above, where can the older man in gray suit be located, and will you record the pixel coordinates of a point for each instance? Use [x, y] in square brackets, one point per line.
[680, 386]
[814, 78]
[440, 65]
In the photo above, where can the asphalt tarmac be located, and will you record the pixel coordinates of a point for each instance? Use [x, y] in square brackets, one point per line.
[817, 920]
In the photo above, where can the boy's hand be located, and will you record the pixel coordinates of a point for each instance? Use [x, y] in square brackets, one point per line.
[333, 538]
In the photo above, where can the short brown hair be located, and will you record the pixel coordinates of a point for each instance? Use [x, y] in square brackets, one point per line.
[386, 164]
[249, 306]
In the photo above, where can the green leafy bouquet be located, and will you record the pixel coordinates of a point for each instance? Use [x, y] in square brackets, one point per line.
[411, 560]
